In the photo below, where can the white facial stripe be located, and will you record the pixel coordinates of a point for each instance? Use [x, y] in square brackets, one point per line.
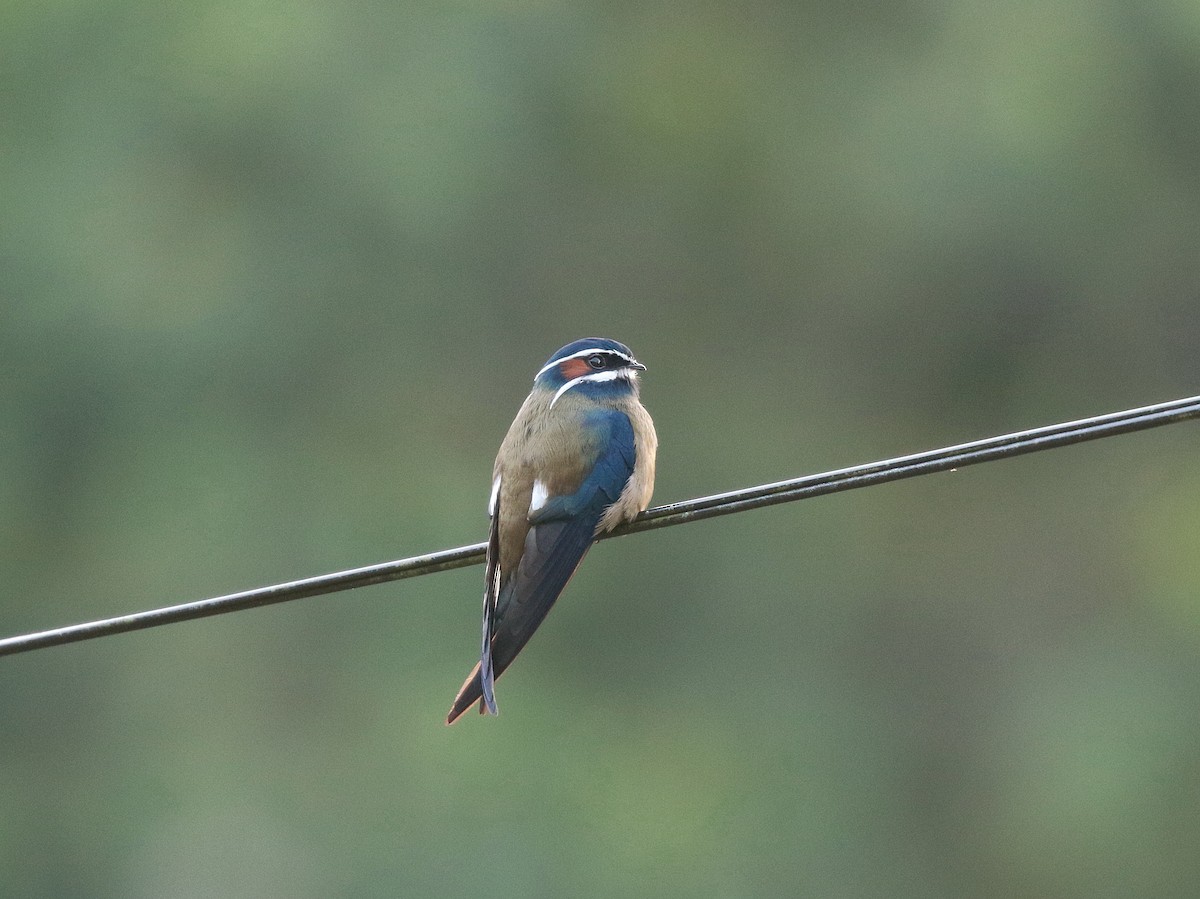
[495, 496]
[594, 377]
[540, 495]
[549, 365]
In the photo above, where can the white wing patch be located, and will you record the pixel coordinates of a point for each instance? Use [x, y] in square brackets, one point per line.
[540, 495]
[495, 495]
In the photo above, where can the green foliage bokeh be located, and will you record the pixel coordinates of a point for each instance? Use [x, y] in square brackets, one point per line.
[274, 279]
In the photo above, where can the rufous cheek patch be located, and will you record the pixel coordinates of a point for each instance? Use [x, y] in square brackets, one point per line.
[573, 368]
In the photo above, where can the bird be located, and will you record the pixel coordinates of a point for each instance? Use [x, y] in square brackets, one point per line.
[577, 461]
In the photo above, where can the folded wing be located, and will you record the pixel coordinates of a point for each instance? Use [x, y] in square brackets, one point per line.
[561, 533]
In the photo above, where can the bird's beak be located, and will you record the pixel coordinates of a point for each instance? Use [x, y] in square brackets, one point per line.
[637, 366]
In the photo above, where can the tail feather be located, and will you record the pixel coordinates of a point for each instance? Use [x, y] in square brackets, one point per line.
[469, 693]
[553, 551]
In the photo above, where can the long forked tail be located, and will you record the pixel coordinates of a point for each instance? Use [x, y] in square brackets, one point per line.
[553, 551]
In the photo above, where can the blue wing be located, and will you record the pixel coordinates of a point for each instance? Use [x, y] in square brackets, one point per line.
[562, 532]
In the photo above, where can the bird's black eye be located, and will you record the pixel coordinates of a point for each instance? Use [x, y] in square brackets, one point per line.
[596, 361]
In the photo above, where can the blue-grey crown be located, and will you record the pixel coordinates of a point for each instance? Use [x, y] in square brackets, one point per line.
[590, 343]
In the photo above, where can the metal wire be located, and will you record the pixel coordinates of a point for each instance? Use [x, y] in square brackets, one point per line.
[947, 458]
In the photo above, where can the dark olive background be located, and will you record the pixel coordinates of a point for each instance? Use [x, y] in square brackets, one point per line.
[274, 278]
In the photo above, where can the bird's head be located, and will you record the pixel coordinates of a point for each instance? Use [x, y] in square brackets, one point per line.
[594, 365]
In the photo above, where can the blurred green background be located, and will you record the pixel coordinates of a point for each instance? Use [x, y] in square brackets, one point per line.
[276, 276]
